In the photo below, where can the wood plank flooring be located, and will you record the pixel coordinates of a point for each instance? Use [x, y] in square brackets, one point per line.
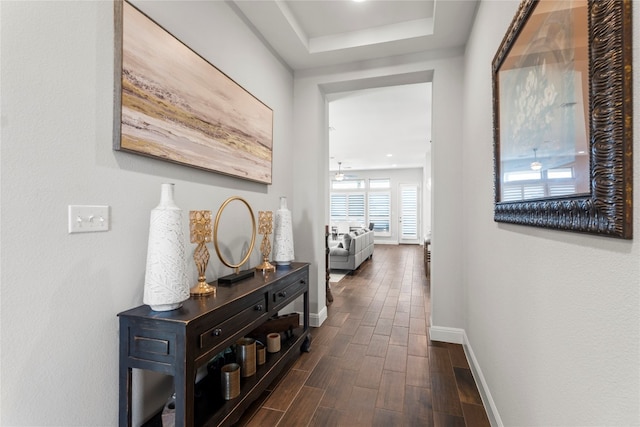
[372, 363]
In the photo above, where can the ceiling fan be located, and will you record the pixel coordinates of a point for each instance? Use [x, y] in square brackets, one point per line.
[340, 176]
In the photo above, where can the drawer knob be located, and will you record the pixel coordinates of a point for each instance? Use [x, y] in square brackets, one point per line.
[282, 294]
[302, 281]
[216, 332]
[258, 307]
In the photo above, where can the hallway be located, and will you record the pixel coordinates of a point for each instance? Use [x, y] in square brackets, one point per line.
[371, 362]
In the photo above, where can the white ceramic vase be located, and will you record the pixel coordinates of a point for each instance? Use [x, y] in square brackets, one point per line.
[283, 235]
[166, 284]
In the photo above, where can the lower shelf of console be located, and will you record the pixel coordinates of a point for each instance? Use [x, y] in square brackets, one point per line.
[212, 410]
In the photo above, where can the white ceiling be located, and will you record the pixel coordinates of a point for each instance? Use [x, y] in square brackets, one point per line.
[366, 124]
[380, 128]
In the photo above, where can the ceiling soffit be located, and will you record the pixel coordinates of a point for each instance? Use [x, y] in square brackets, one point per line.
[311, 34]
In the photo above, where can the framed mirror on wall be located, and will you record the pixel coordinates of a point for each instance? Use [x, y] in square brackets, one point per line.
[562, 117]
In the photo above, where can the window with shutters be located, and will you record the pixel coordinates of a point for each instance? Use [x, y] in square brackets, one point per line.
[529, 185]
[380, 212]
[379, 184]
[362, 208]
[409, 212]
[348, 207]
[349, 184]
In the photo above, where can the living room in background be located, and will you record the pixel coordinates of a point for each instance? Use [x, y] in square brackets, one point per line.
[369, 205]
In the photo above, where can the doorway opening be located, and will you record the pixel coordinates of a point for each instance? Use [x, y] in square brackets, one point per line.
[381, 135]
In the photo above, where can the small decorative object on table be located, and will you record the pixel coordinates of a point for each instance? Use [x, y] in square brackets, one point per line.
[200, 227]
[265, 224]
[230, 381]
[283, 235]
[169, 412]
[282, 323]
[261, 353]
[166, 284]
[246, 356]
[273, 342]
[237, 274]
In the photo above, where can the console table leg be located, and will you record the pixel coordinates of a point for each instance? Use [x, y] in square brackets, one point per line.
[306, 344]
[125, 398]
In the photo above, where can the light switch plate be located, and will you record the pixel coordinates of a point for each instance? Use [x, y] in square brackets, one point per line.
[88, 219]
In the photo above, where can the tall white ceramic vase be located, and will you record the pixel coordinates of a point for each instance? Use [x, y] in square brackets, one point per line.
[166, 284]
[283, 235]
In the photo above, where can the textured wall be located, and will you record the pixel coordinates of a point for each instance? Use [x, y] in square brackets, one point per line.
[61, 292]
[553, 317]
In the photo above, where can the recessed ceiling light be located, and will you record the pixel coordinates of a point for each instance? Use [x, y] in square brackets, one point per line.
[358, 1]
[389, 155]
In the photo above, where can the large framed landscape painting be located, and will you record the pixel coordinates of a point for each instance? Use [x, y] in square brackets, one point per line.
[563, 117]
[172, 104]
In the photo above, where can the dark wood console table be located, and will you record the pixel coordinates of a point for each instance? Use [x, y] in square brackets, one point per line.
[179, 342]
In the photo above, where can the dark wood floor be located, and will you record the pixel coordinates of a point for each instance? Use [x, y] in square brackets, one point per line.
[371, 362]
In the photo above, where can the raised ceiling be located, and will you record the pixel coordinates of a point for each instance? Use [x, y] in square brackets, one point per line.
[311, 34]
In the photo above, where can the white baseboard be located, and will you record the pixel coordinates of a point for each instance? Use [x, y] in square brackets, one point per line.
[317, 319]
[459, 336]
[444, 334]
[483, 388]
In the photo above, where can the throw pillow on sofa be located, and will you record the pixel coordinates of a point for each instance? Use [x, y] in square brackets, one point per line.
[346, 241]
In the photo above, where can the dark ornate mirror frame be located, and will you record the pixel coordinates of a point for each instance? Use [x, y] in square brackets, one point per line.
[607, 211]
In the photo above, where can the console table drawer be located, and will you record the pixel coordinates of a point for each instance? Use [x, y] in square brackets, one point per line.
[288, 289]
[151, 344]
[250, 311]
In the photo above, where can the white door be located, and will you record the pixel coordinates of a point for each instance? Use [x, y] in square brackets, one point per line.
[408, 218]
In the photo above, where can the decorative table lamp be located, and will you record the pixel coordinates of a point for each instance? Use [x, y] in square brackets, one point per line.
[200, 227]
[265, 224]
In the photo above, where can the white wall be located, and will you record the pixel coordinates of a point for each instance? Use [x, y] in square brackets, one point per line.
[447, 265]
[61, 292]
[310, 166]
[427, 205]
[552, 317]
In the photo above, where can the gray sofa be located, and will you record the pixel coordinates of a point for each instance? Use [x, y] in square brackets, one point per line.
[351, 250]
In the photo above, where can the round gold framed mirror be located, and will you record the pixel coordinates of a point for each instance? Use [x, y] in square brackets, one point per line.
[235, 211]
